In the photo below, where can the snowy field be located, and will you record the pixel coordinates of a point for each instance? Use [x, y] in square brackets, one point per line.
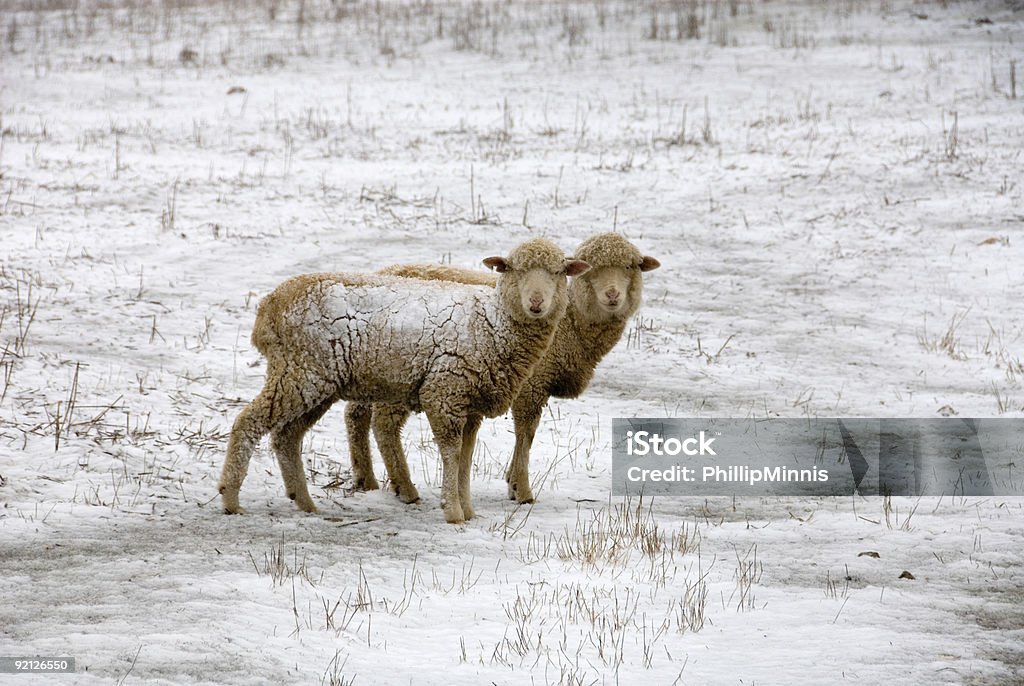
[834, 191]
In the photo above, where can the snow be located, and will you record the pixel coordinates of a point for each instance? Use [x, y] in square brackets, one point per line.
[403, 316]
[833, 191]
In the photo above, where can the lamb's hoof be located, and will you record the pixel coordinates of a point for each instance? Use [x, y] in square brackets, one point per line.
[365, 483]
[468, 512]
[407, 494]
[520, 495]
[453, 513]
[229, 497]
[307, 507]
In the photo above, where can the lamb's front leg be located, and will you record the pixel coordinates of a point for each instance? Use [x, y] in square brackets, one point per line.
[466, 463]
[448, 436]
[526, 412]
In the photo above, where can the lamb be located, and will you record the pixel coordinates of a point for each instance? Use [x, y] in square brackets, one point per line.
[456, 353]
[601, 303]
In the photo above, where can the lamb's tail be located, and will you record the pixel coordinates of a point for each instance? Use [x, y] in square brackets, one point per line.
[270, 331]
[265, 332]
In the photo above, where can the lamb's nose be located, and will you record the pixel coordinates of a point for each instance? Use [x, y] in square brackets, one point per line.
[535, 304]
[613, 296]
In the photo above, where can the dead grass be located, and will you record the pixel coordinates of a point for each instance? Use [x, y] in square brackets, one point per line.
[948, 342]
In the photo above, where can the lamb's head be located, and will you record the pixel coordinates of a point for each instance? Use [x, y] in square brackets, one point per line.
[532, 281]
[613, 287]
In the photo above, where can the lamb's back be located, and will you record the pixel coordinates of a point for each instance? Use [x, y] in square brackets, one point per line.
[379, 337]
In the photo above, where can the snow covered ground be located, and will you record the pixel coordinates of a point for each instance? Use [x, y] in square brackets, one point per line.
[834, 191]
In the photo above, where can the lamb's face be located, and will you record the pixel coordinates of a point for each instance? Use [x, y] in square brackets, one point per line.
[613, 288]
[533, 280]
[543, 293]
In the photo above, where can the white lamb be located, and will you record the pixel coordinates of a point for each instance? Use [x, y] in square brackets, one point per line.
[601, 302]
[456, 353]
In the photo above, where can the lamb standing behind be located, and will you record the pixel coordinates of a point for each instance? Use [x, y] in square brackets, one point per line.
[442, 272]
[456, 353]
[601, 303]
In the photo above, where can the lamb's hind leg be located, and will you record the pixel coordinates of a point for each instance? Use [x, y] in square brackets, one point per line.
[287, 445]
[388, 421]
[357, 424]
[466, 462]
[252, 423]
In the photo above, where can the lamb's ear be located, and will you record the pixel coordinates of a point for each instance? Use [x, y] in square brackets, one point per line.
[575, 267]
[649, 263]
[498, 264]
